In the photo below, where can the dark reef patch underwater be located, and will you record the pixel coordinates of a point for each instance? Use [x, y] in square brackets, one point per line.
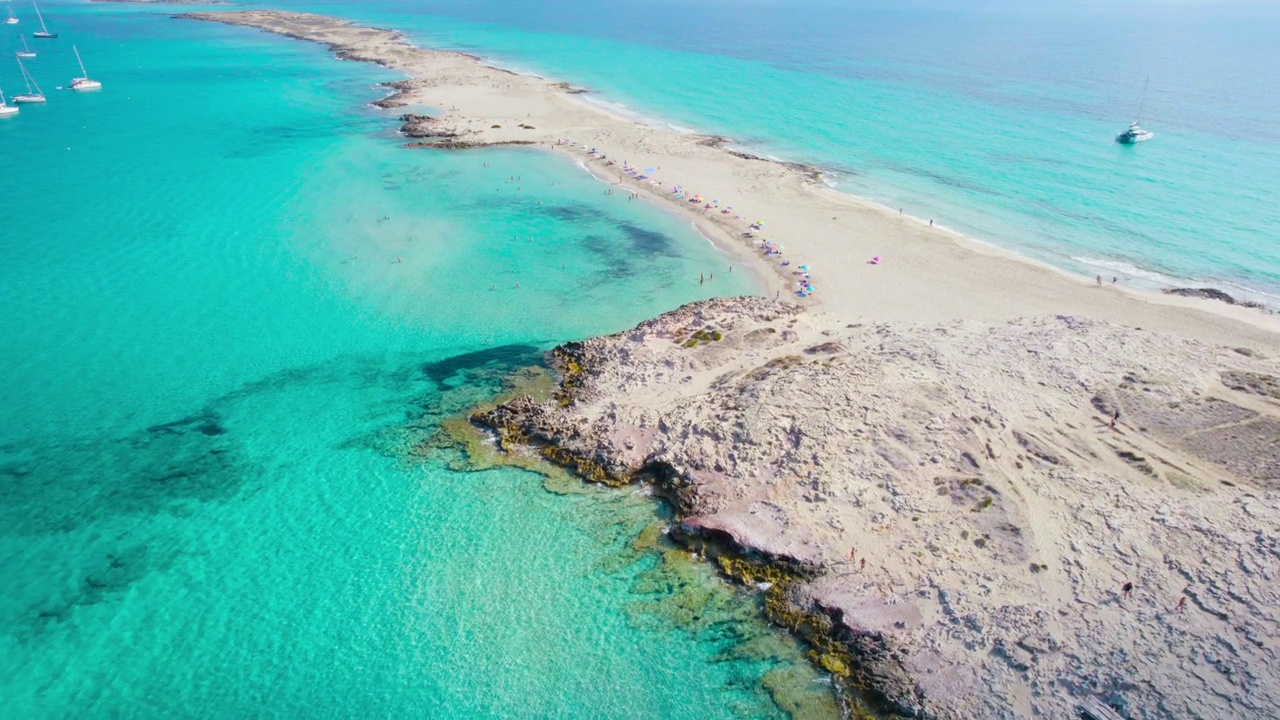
[219, 488]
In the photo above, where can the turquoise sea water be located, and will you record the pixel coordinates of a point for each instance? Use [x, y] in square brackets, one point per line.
[996, 119]
[230, 306]
[229, 303]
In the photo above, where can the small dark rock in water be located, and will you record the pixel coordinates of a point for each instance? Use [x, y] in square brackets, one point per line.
[418, 126]
[1206, 293]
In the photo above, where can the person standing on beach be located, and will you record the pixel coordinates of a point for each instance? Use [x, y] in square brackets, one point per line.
[1099, 279]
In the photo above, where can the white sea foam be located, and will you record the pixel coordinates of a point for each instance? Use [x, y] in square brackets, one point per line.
[1131, 271]
[621, 110]
[703, 235]
[509, 67]
[1158, 280]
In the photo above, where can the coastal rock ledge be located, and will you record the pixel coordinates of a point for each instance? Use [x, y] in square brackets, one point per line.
[945, 512]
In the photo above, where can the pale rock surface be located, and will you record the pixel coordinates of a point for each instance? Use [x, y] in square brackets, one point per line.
[973, 467]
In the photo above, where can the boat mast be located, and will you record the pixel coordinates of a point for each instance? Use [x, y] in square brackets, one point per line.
[38, 15]
[84, 73]
[27, 77]
[1143, 103]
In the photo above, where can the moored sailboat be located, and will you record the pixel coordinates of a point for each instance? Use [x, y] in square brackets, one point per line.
[5, 110]
[25, 52]
[44, 31]
[12, 19]
[1134, 133]
[31, 96]
[83, 83]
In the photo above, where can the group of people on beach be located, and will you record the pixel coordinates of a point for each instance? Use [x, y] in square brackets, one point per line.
[804, 286]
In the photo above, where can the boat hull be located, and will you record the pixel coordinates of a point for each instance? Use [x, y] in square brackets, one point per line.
[6, 111]
[27, 99]
[85, 85]
[1127, 139]
[26, 54]
[44, 36]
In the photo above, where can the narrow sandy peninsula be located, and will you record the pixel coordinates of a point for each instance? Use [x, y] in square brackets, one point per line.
[979, 487]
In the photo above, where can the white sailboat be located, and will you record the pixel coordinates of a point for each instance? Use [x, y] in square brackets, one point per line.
[5, 110]
[12, 19]
[25, 52]
[31, 96]
[83, 83]
[44, 31]
[1134, 133]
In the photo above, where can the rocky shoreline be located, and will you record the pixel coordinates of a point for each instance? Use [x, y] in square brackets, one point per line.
[863, 665]
[780, 438]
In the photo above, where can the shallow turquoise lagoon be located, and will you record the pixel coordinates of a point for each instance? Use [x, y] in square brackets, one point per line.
[230, 303]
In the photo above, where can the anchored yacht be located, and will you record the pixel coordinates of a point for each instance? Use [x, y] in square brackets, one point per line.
[1134, 133]
[31, 96]
[5, 110]
[44, 31]
[83, 83]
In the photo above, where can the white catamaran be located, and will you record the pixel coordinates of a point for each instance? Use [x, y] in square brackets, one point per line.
[5, 110]
[31, 96]
[1134, 133]
[83, 83]
[44, 31]
[25, 52]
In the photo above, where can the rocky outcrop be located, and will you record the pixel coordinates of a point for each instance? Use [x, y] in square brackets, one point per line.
[945, 513]
[420, 126]
[1212, 294]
